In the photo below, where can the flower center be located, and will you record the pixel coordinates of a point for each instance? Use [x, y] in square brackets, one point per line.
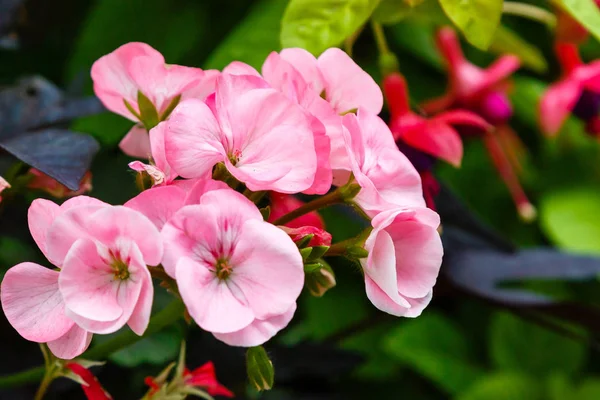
[495, 108]
[120, 269]
[234, 156]
[223, 268]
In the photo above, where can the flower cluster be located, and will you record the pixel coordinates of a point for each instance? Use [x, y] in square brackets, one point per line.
[227, 151]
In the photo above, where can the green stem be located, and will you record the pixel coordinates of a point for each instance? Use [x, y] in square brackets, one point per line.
[162, 319]
[382, 45]
[339, 249]
[531, 12]
[48, 378]
[329, 199]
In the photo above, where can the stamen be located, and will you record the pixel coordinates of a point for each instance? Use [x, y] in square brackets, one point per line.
[223, 269]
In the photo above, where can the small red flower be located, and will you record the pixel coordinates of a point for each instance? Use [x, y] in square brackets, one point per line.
[578, 92]
[282, 204]
[480, 90]
[320, 237]
[205, 378]
[93, 389]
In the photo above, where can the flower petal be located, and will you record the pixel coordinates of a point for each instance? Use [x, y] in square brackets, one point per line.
[158, 203]
[72, 344]
[140, 317]
[305, 63]
[438, 139]
[556, 104]
[40, 216]
[136, 143]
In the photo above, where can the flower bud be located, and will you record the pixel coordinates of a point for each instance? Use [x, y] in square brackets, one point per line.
[319, 278]
[308, 236]
[495, 107]
[388, 63]
[259, 367]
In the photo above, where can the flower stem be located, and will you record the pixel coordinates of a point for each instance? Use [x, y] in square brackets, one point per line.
[380, 40]
[530, 11]
[45, 384]
[327, 200]
[159, 321]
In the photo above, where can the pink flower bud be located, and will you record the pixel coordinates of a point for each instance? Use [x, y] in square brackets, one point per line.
[320, 237]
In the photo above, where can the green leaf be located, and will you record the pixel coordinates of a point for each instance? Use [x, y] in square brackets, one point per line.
[520, 346]
[477, 19]
[148, 113]
[393, 11]
[435, 347]
[319, 24]
[586, 12]
[571, 218]
[504, 386]
[588, 390]
[506, 41]
[253, 39]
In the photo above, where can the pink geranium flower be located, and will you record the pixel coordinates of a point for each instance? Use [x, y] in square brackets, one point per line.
[138, 68]
[264, 139]
[3, 185]
[405, 255]
[577, 92]
[282, 204]
[437, 135]
[238, 275]
[482, 91]
[387, 178]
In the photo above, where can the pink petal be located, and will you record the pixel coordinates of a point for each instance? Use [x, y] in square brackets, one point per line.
[438, 139]
[305, 63]
[557, 103]
[79, 201]
[159, 156]
[463, 118]
[71, 344]
[233, 205]
[323, 176]
[500, 70]
[418, 305]
[193, 140]
[32, 303]
[382, 301]
[95, 299]
[136, 143]
[259, 331]
[110, 224]
[202, 186]
[40, 216]
[215, 305]
[158, 204]
[140, 317]
[112, 81]
[240, 68]
[347, 86]
[158, 177]
[267, 269]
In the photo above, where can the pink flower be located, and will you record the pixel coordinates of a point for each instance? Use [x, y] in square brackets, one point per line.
[320, 236]
[92, 388]
[138, 68]
[405, 255]
[282, 204]
[238, 275]
[436, 136]
[159, 169]
[3, 185]
[264, 139]
[387, 178]
[56, 189]
[577, 92]
[482, 91]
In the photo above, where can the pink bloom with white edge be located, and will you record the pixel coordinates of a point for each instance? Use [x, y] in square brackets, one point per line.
[387, 178]
[104, 280]
[238, 275]
[137, 67]
[30, 296]
[264, 139]
[405, 255]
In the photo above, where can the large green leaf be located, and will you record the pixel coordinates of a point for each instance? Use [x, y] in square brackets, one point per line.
[435, 347]
[253, 39]
[571, 218]
[504, 386]
[477, 19]
[319, 24]
[584, 11]
[520, 346]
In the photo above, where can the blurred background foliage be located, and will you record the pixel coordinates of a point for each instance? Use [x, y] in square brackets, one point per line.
[340, 346]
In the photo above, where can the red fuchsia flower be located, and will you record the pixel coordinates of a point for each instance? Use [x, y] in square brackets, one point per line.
[264, 140]
[3, 185]
[282, 204]
[319, 236]
[136, 68]
[437, 135]
[56, 189]
[405, 255]
[91, 386]
[204, 377]
[578, 92]
[238, 275]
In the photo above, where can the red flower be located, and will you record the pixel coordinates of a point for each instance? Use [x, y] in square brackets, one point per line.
[205, 378]
[578, 92]
[568, 29]
[282, 204]
[435, 136]
[482, 91]
[320, 238]
[92, 388]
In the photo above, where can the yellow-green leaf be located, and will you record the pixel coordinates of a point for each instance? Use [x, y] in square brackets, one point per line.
[586, 12]
[477, 19]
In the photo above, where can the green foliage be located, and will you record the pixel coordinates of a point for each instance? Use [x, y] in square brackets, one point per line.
[584, 11]
[477, 19]
[248, 44]
[319, 24]
[505, 41]
[504, 386]
[157, 349]
[520, 346]
[437, 349]
[571, 218]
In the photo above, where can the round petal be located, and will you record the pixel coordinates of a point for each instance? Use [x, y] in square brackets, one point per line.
[158, 204]
[33, 304]
[71, 344]
[40, 216]
[305, 63]
[140, 317]
[215, 305]
[136, 143]
[259, 331]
